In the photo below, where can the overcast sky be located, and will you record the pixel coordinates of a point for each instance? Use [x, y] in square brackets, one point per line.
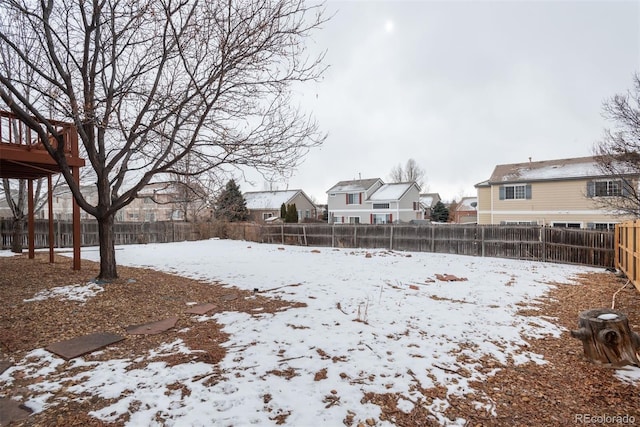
[461, 86]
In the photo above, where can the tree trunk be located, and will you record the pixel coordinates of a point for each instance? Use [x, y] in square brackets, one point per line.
[108, 270]
[607, 338]
[16, 242]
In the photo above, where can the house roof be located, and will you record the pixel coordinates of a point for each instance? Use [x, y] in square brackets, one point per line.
[257, 200]
[353, 186]
[465, 204]
[547, 170]
[427, 200]
[391, 191]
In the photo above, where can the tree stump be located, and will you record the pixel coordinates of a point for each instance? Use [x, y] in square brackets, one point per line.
[607, 339]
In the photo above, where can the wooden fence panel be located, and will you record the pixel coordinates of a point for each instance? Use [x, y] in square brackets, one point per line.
[574, 246]
[627, 243]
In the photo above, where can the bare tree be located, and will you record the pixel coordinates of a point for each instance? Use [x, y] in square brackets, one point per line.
[412, 172]
[147, 83]
[15, 190]
[617, 154]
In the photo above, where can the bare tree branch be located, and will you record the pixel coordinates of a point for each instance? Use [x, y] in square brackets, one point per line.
[150, 82]
[618, 152]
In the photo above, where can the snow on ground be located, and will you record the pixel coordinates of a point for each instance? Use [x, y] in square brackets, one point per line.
[372, 324]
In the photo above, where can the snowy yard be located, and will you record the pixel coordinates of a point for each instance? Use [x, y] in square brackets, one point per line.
[375, 321]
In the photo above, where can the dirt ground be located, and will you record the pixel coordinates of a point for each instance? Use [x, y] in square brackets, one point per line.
[561, 392]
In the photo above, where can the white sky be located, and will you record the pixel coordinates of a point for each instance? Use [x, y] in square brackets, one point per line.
[462, 86]
[369, 321]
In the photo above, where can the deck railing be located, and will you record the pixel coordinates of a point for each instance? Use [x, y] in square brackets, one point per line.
[16, 132]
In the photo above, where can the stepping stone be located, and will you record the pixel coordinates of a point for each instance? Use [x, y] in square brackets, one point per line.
[11, 411]
[4, 365]
[229, 297]
[82, 345]
[201, 309]
[152, 328]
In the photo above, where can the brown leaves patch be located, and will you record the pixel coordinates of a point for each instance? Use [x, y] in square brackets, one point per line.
[138, 296]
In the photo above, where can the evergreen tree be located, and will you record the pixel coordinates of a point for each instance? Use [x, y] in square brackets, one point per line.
[283, 212]
[230, 205]
[439, 213]
[292, 213]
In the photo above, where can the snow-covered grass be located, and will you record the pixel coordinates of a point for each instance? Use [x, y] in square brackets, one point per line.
[378, 323]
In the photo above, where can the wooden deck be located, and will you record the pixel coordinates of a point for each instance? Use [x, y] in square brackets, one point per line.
[23, 155]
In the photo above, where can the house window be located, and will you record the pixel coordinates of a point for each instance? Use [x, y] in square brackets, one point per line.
[381, 206]
[604, 188]
[353, 198]
[354, 220]
[518, 222]
[515, 192]
[267, 215]
[566, 224]
[603, 226]
[416, 206]
[381, 218]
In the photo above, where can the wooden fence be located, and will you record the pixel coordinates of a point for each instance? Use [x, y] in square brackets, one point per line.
[569, 246]
[129, 232]
[627, 245]
[563, 245]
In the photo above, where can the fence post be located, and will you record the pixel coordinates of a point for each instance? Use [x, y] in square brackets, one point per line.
[282, 233]
[391, 239]
[482, 240]
[355, 236]
[433, 238]
[543, 235]
[333, 236]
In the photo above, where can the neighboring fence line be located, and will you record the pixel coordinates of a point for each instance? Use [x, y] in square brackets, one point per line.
[126, 233]
[563, 245]
[571, 246]
[627, 244]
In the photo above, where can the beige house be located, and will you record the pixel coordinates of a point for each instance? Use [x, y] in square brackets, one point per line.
[155, 202]
[557, 193]
[263, 205]
[370, 201]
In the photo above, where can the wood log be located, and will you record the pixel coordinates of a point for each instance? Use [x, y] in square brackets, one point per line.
[607, 338]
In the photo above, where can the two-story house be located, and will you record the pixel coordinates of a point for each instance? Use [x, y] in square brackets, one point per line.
[155, 202]
[371, 201]
[557, 193]
[263, 205]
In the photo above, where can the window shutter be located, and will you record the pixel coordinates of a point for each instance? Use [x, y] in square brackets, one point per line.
[360, 201]
[346, 198]
[626, 188]
[502, 193]
[370, 218]
[591, 189]
[390, 218]
[527, 191]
